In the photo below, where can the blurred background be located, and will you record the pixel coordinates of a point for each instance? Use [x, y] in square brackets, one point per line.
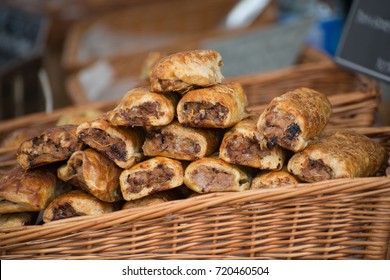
[61, 53]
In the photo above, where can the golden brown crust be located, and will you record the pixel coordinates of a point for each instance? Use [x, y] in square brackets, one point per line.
[243, 145]
[53, 145]
[26, 191]
[147, 67]
[93, 173]
[79, 117]
[294, 118]
[151, 176]
[73, 204]
[152, 199]
[10, 220]
[180, 142]
[273, 179]
[141, 107]
[337, 154]
[149, 200]
[219, 106]
[211, 174]
[121, 145]
[184, 71]
[17, 137]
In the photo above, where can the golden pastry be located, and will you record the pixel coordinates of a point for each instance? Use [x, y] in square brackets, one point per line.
[75, 203]
[122, 145]
[273, 179]
[152, 199]
[18, 136]
[219, 106]
[211, 174]
[79, 116]
[17, 219]
[187, 70]
[93, 173]
[151, 176]
[243, 145]
[337, 154]
[141, 107]
[294, 118]
[147, 67]
[26, 190]
[180, 142]
[53, 145]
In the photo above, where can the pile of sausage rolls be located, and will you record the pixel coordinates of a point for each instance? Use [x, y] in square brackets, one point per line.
[187, 133]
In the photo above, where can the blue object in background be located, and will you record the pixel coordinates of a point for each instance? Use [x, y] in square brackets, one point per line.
[328, 20]
[325, 34]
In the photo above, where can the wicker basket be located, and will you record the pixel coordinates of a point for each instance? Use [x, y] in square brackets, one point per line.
[157, 24]
[336, 219]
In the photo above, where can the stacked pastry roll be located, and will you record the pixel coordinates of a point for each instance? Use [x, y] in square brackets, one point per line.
[187, 133]
[197, 110]
[296, 122]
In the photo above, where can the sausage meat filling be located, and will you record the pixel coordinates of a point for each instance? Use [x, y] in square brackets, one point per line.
[64, 211]
[168, 142]
[281, 128]
[316, 170]
[159, 176]
[55, 146]
[112, 147]
[244, 150]
[140, 115]
[198, 113]
[212, 179]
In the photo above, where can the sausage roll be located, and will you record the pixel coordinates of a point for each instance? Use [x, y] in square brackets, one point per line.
[140, 107]
[78, 117]
[17, 219]
[180, 142]
[337, 154]
[17, 137]
[75, 203]
[219, 106]
[151, 176]
[147, 66]
[93, 173]
[294, 118]
[53, 145]
[273, 179]
[211, 174]
[122, 145]
[243, 145]
[26, 191]
[152, 199]
[187, 70]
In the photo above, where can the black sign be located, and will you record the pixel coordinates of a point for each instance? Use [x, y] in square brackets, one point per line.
[365, 43]
[22, 35]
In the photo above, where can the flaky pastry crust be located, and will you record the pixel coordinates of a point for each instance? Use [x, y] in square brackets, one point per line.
[219, 106]
[187, 70]
[337, 154]
[294, 118]
[243, 145]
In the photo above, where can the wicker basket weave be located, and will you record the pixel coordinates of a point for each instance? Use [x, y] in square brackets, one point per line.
[336, 219]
